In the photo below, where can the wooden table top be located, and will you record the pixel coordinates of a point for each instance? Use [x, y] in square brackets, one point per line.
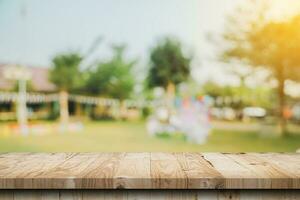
[149, 171]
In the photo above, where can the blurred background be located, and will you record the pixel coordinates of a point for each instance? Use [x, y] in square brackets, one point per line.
[172, 75]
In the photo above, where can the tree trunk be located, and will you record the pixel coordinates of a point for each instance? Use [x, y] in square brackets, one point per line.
[170, 99]
[78, 109]
[123, 110]
[22, 108]
[64, 109]
[281, 98]
[170, 93]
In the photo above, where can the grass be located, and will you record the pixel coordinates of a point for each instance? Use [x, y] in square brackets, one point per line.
[132, 137]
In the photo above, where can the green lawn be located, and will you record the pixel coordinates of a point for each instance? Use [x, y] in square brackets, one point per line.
[132, 137]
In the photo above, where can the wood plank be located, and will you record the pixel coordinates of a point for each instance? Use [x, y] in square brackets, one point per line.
[200, 173]
[24, 164]
[289, 163]
[133, 172]
[32, 176]
[267, 174]
[166, 172]
[207, 195]
[81, 194]
[93, 194]
[228, 195]
[109, 194]
[50, 195]
[141, 195]
[67, 173]
[180, 195]
[27, 195]
[100, 174]
[70, 195]
[149, 171]
[6, 195]
[19, 170]
[236, 176]
[8, 163]
[269, 194]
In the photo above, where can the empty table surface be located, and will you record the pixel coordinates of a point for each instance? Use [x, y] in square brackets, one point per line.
[149, 171]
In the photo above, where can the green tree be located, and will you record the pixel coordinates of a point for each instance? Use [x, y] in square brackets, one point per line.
[65, 74]
[113, 78]
[240, 96]
[274, 45]
[168, 66]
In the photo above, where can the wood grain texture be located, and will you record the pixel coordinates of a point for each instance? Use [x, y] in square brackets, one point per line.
[133, 172]
[270, 176]
[81, 194]
[149, 171]
[199, 172]
[166, 172]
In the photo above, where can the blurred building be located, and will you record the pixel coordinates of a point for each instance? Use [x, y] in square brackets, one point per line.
[39, 83]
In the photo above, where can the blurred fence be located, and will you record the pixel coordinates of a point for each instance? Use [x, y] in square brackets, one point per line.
[6, 97]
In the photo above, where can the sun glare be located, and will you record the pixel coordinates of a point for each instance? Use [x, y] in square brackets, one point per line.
[282, 10]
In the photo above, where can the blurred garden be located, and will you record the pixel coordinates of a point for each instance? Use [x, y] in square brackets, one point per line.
[83, 103]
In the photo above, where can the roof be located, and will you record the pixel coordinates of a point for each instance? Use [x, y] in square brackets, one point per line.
[39, 79]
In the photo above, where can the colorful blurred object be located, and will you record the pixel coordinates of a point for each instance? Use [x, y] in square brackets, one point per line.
[190, 117]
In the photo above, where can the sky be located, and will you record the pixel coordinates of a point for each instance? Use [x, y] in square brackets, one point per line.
[33, 31]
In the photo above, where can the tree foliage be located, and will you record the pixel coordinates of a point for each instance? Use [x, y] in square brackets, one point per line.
[113, 78]
[65, 71]
[275, 45]
[168, 64]
[271, 44]
[245, 96]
